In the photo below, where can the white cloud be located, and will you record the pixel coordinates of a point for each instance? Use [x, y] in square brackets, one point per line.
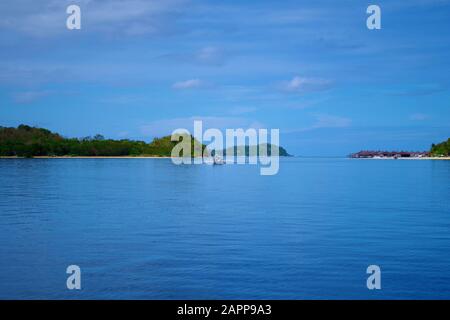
[48, 18]
[303, 85]
[188, 84]
[296, 83]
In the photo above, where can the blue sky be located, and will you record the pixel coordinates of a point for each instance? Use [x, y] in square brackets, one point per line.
[139, 69]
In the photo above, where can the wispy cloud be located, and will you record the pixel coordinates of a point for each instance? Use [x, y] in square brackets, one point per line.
[210, 55]
[28, 97]
[131, 17]
[303, 85]
[188, 84]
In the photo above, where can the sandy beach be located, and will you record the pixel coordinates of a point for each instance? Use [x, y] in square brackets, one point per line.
[427, 158]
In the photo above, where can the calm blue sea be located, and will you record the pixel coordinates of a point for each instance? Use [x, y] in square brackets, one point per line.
[147, 229]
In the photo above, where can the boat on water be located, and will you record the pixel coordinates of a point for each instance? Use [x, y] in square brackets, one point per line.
[218, 160]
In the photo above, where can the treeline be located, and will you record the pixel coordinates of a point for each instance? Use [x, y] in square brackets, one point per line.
[257, 150]
[26, 141]
[441, 149]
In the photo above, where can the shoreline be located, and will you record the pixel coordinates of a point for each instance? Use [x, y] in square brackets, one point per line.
[167, 157]
[88, 157]
[410, 158]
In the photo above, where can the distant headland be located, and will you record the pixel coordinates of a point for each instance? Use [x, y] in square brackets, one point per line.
[32, 142]
[257, 150]
[437, 151]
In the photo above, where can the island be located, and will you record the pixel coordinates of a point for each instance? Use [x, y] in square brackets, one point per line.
[33, 142]
[263, 149]
[441, 149]
[27, 142]
[437, 151]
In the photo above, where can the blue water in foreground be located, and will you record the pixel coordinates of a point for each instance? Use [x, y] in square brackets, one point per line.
[147, 229]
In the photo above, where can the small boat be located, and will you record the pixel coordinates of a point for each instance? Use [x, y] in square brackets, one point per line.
[218, 160]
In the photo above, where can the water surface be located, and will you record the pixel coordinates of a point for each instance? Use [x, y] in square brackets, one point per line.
[147, 229]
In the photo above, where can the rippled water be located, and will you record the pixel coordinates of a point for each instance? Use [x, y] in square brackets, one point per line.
[145, 228]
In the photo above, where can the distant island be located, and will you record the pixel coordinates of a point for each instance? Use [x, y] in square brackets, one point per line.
[261, 149]
[441, 150]
[389, 154]
[27, 142]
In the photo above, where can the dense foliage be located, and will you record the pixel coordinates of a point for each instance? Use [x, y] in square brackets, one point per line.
[26, 141]
[441, 149]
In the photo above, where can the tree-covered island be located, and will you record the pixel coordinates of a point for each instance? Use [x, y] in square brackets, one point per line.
[26, 141]
[441, 149]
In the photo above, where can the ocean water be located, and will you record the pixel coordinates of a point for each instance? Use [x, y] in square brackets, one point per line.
[147, 229]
